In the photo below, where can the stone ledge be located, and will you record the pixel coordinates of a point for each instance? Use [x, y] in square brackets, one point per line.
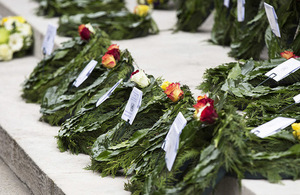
[24, 167]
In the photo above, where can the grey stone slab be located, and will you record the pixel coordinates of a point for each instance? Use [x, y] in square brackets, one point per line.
[10, 183]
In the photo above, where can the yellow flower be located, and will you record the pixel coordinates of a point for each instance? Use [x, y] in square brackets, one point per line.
[296, 126]
[16, 18]
[20, 19]
[165, 85]
[296, 132]
[141, 10]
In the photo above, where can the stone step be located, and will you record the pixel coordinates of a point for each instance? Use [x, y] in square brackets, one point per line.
[10, 183]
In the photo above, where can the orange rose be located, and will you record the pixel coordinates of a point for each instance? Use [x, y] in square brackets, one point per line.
[287, 54]
[108, 61]
[201, 97]
[174, 92]
[80, 27]
[113, 46]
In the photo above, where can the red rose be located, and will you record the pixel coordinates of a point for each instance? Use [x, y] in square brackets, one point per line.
[85, 33]
[208, 115]
[205, 110]
[115, 52]
[202, 102]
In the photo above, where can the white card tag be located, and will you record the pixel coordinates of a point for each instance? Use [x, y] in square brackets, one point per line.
[108, 93]
[241, 10]
[132, 106]
[226, 3]
[272, 17]
[48, 42]
[272, 127]
[171, 143]
[284, 69]
[297, 98]
[85, 73]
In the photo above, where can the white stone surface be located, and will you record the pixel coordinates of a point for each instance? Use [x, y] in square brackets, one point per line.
[263, 187]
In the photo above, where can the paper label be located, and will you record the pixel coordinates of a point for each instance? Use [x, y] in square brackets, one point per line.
[132, 106]
[297, 98]
[272, 127]
[85, 73]
[108, 93]
[284, 69]
[272, 17]
[171, 143]
[241, 10]
[226, 3]
[48, 42]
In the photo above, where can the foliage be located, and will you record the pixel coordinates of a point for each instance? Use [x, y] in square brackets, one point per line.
[129, 154]
[239, 82]
[119, 25]
[64, 100]
[79, 132]
[53, 8]
[250, 41]
[157, 4]
[198, 160]
[208, 152]
[48, 65]
[289, 21]
[246, 39]
[223, 31]
[52, 69]
[191, 14]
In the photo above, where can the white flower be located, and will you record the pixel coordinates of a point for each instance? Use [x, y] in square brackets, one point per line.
[5, 52]
[90, 27]
[11, 23]
[140, 78]
[16, 42]
[25, 29]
